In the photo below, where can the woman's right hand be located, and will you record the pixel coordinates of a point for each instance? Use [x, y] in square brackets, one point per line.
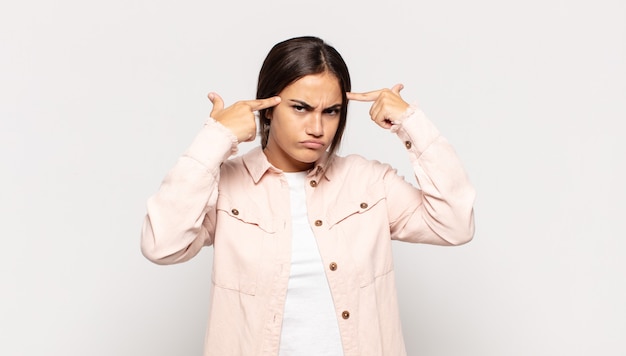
[239, 117]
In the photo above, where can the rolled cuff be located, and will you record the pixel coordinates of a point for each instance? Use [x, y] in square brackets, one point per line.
[213, 144]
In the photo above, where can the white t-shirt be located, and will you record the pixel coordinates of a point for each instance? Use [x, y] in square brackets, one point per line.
[309, 322]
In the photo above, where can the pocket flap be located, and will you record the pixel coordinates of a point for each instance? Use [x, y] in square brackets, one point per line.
[248, 212]
[355, 203]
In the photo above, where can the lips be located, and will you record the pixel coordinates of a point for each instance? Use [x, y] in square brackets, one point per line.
[313, 144]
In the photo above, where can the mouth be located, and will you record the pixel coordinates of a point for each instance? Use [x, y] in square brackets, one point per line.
[313, 144]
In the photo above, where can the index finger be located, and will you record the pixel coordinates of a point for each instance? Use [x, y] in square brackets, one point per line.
[260, 104]
[368, 96]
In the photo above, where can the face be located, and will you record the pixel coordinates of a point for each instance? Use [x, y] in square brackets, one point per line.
[303, 125]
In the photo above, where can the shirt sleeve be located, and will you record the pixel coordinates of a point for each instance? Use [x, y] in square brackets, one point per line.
[181, 215]
[441, 211]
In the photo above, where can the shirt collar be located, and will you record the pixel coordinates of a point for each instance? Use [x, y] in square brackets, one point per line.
[257, 164]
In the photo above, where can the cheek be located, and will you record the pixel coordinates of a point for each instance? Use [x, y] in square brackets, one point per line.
[333, 126]
[282, 130]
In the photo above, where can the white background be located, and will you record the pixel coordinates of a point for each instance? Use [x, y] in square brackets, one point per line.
[98, 99]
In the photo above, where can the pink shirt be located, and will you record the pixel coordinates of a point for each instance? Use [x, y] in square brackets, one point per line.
[356, 207]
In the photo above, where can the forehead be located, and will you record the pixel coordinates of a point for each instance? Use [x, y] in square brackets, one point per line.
[322, 87]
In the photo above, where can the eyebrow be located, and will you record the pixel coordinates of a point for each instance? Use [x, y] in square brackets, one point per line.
[309, 107]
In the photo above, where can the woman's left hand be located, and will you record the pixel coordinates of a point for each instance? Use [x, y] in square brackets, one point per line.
[388, 107]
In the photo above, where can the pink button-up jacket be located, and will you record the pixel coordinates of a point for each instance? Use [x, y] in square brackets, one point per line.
[356, 208]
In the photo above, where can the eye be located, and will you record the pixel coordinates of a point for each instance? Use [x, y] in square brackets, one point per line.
[332, 111]
[299, 108]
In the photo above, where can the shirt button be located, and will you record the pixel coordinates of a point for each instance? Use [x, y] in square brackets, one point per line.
[318, 222]
[235, 212]
[332, 266]
[345, 314]
[313, 183]
[363, 205]
[407, 144]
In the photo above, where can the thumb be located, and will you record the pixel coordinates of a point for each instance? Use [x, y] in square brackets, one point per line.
[396, 88]
[218, 103]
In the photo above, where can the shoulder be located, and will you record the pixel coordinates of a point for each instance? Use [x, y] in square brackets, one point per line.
[233, 169]
[357, 165]
[233, 163]
[251, 165]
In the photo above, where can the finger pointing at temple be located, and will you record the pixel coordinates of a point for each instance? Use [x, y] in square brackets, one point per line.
[373, 95]
[387, 104]
[260, 104]
[239, 117]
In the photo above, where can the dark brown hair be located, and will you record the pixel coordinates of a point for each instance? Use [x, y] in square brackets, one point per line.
[293, 59]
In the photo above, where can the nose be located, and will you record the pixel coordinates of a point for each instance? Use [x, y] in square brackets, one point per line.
[315, 126]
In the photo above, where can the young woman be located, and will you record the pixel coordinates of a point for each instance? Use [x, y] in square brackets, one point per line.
[302, 237]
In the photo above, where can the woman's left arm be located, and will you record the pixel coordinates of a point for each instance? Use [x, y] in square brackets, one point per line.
[441, 211]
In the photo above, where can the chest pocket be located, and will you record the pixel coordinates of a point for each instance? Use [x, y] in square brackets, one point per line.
[243, 233]
[355, 205]
[247, 212]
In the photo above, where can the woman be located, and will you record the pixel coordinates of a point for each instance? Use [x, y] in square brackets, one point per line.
[302, 237]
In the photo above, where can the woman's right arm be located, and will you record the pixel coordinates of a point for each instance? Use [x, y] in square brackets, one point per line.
[181, 215]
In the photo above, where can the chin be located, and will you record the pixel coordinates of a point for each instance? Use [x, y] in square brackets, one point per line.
[310, 158]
